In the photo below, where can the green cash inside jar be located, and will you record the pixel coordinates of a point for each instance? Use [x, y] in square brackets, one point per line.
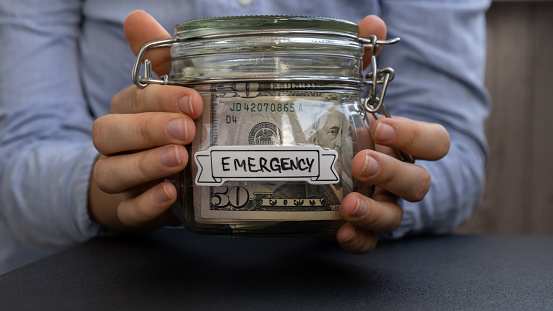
[282, 120]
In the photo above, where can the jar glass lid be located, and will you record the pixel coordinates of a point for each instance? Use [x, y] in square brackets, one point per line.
[216, 26]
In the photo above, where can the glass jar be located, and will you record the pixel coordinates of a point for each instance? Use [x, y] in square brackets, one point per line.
[283, 117]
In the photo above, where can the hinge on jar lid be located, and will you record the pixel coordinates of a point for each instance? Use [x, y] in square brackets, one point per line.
[147, 79]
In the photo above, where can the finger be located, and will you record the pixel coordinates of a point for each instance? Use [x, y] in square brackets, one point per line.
[154, 98]
[371, 25]
[148, 209]
[115, 133]
[408, 181]
[121, 172]
[354, 240]
[380, 216]
[428, 141]
[141, 28]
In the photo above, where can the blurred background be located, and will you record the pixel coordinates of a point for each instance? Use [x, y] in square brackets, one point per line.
[519, 194]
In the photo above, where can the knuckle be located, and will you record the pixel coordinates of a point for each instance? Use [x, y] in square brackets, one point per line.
[389, 176]
[150, 98]
[136, 100]
[142, 168]
[119, 100]
[144, 130]
[414, 138]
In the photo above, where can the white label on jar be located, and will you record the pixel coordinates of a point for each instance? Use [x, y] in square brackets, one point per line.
[309, 163]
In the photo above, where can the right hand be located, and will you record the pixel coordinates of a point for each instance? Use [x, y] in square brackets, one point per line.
[141, 142]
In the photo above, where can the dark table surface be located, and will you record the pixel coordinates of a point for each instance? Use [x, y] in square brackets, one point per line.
[176, 269]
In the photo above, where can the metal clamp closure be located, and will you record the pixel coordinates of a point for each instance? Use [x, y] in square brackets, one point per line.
[136, 78]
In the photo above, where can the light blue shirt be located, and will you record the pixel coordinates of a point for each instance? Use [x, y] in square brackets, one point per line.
[62, 62]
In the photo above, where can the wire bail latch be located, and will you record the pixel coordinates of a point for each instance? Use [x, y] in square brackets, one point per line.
[374, 102]
[143, 81]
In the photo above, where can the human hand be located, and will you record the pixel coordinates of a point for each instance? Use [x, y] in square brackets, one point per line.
[142, 141]
[380, 214]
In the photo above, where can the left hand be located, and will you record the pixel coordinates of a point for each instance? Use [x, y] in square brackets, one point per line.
[381, 214]
[393, 179]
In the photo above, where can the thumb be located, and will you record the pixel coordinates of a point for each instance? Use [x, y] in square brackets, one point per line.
[371, 25]
[141, 28]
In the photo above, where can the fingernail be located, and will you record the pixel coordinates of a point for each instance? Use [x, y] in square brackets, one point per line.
[352, 237]
[170, 157]
[185, 105]
[162, 195]
[177, 129]
[361, 208]
[384, 132]
[370, 167]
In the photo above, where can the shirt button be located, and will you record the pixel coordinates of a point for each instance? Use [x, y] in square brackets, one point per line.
[245, 2]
